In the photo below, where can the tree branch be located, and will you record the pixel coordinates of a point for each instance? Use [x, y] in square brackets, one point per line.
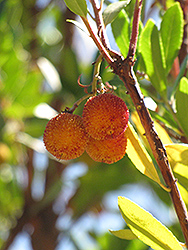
[135, 29]
[124, 69]
[100, 23]
[98, 43]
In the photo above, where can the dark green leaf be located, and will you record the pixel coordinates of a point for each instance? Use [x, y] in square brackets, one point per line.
[121, 32]
[152, 52]
[111, 12]
[172, 33]
[159, 79]
[182, 104]
[79, 7]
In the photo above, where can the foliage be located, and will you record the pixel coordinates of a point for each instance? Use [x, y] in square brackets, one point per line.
[39, 68]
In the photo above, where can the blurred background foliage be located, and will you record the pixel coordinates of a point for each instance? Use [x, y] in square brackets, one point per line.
[46, 204]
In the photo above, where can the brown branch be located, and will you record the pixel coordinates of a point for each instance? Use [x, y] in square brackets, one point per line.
[98, 43]
[100, 23]
[124, 69]
[135, 29]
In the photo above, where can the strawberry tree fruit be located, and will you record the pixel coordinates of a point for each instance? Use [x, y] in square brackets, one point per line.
[105, 116]
[107, 151]
[65, 136]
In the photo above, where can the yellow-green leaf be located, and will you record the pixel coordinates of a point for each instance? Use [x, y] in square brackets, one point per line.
[178, 158]
[163, 135]
[139, 156]
[147, 228]
[184, 193]
[125, 234]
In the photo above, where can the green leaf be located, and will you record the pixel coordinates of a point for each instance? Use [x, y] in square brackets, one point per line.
[121, 32]
[125, 234]
[151, 49]
[172, 33]
[79, 7]
[147, 228]
[182, 103]
[111, 12]
[139, 156]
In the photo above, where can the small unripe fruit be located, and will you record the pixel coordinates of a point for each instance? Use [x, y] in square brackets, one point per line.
[65, 136]
[107, 151]
[105, 116]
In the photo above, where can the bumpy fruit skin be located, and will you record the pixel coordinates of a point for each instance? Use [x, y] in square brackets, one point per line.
[65, 136]
[107, 151]
[105, 116]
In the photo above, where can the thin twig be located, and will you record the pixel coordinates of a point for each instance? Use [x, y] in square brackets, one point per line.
[135, 29]
[100, 23]
[98, 43]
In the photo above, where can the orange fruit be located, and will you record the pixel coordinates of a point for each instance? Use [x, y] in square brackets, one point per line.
[107, 151]
[105, 116]
[65, 136]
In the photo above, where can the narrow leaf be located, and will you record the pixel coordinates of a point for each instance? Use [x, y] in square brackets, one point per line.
[125, 234]
[78, 25]
[111, 12]
[172, 33]
[182, 103]
[184, 193]
[121, 32]
[160, 130]
[178, 158]
[139, 156]
[159, 81]
[147, 228]
[79, 7]
[151, 49]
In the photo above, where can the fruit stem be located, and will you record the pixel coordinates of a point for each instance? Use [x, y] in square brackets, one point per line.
[77, 103]
[96, 77]
[96, 73]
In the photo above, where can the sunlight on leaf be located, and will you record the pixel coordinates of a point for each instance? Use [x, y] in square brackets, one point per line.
[165, 138]
[184, 193]
[125, 234]
[139, 156]
[147, 228]
[178, 158]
